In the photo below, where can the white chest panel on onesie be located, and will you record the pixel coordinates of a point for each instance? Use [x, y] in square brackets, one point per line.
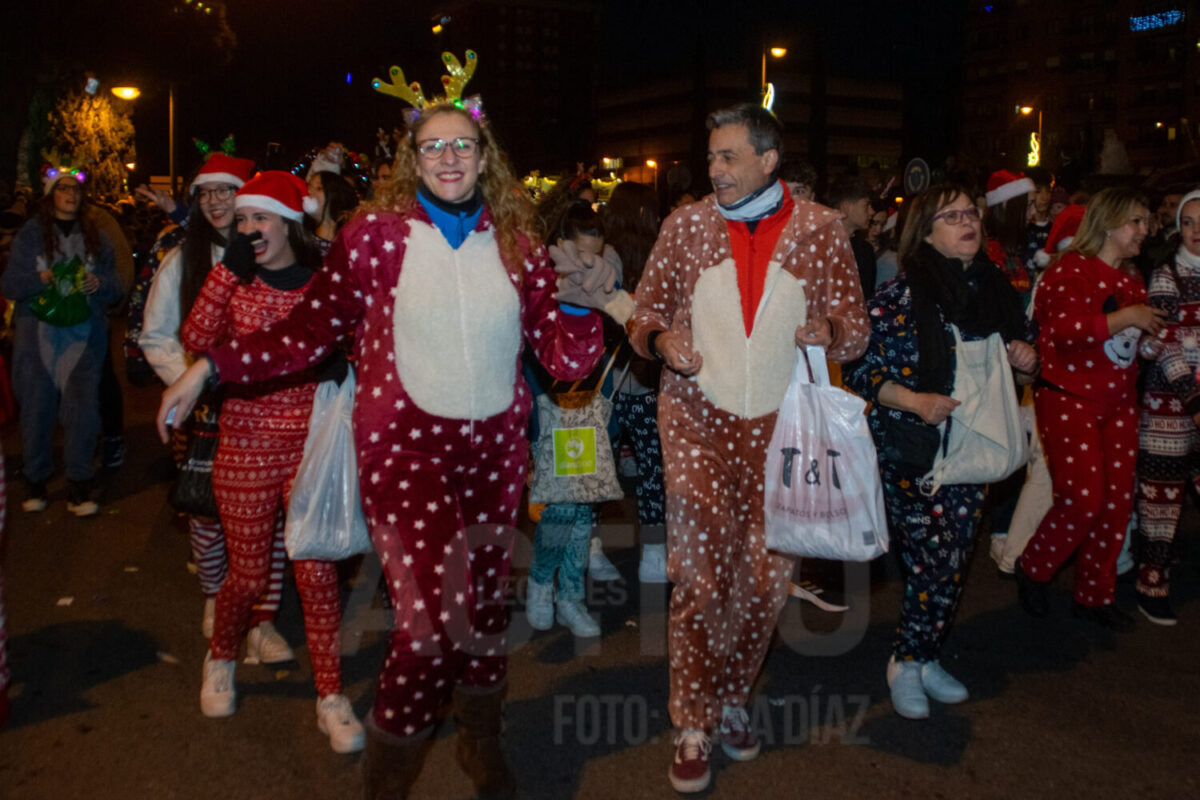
[457, 325]
[746, 376]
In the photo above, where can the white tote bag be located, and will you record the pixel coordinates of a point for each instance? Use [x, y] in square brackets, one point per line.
[822, 495]
[983, 440]
[324, 516]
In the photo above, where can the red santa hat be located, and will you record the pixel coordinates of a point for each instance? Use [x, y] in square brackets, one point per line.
[893, 216]
[1004, 186]
[279, 192]
[221, 168]
[1062, 233]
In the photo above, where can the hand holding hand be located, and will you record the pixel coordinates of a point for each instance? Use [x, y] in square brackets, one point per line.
[678, 353]
[585, 280]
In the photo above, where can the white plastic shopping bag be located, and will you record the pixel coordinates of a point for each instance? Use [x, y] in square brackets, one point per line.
[325, 518]
[983, 438]
[822, 494]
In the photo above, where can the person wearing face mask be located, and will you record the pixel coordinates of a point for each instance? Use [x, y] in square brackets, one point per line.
[444, 279]
[1091, 315]
[908, 374]
[260, 279]
[1169, 449]
[173, 291]
[56, 367]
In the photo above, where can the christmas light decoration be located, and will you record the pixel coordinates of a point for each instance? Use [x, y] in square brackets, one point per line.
[1151, 22]
[453, 83]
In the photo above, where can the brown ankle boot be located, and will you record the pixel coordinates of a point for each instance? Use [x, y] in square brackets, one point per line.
[477, 716]
[390, 763]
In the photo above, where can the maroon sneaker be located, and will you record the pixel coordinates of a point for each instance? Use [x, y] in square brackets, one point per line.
[689, 771]
[738, 739]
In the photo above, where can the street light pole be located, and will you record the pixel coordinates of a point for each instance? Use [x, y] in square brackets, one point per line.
[171, 133]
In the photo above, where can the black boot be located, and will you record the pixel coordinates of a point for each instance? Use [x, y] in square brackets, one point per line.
[477, 713]
[390, 763]
[1031, 593]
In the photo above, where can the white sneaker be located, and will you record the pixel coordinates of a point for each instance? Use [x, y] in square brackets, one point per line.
[84, 508]
[574, 615]
[210, 614]
[599, 567]
[653, 566]
[335, 719]
[539, 605]
[34, 504]
[218, 697]
[79, 501]
[265, 645]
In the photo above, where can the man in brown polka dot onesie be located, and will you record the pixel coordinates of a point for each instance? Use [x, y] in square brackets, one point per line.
[735, 282]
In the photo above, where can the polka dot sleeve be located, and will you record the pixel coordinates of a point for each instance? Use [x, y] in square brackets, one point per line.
[1066, 316]
[568, 346]
[656, 299]
[825, 264]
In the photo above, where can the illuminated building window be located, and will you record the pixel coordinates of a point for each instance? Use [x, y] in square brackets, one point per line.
[1152, 22]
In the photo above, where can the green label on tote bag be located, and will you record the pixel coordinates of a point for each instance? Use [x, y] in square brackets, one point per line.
[574, 451]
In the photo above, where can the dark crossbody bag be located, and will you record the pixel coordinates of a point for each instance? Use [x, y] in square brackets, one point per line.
[911, 447]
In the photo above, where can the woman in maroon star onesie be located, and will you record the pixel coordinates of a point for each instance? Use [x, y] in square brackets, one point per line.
[442, 280]
[1091, 315]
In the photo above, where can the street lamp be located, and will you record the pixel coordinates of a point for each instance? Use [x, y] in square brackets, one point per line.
[132, 93]
[1035, 145]
[768, 90]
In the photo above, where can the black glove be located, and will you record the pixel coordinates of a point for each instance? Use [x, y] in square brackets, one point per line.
[239, 256]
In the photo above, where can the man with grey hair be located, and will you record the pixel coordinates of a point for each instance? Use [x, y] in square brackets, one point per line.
[733, 285]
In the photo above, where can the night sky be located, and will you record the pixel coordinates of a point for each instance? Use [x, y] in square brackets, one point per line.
[286, 81]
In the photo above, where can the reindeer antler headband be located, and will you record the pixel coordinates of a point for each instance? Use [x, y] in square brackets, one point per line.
[453, 83]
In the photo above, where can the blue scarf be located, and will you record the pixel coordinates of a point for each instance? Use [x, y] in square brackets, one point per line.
[759, 204]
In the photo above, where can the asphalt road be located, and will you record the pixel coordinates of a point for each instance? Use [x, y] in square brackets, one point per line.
[106, 650]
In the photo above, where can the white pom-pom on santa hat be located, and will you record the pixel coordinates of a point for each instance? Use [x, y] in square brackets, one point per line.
[276, 191]
[312, 206]
[1003, 186]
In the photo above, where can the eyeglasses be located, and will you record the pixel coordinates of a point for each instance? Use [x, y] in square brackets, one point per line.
[215, 193]
[462, 147]
[956, 215]
[64, 187]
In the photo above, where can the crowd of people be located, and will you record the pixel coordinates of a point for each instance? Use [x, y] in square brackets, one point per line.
[460, 307]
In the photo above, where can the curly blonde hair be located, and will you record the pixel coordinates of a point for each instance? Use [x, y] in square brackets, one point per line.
[513, 214]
